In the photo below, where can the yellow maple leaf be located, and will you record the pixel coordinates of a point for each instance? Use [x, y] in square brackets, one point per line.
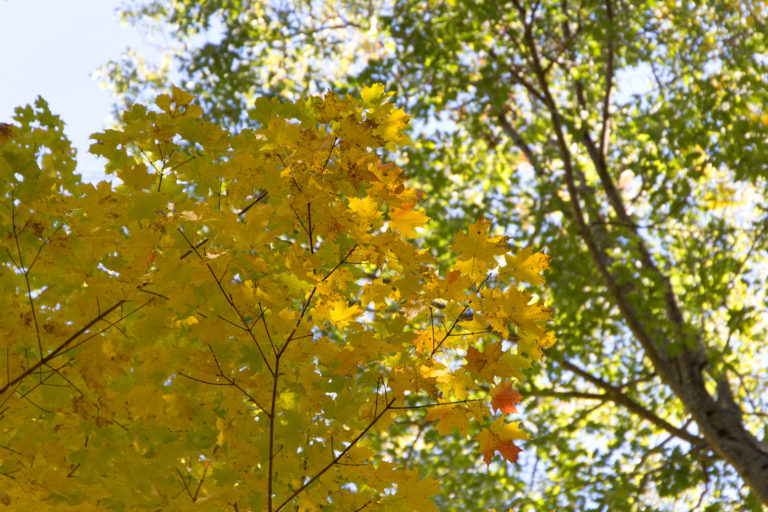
[406, 219]
[477, 242]
[366, 212]
[450, 417]
[374, 94]
[526, 266]
[392, 129]
[494, 362]
[487, 445]
[339, 313]
[477, 249]
[507, 431]
[181, 97]
[413, 492]
[458, 383]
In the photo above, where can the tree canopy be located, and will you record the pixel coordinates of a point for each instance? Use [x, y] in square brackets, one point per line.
[625, 137]
[227, 325]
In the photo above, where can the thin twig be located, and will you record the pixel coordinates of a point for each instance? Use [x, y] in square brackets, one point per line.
[337, 458]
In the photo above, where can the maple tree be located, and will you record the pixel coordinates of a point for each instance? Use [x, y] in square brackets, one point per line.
[226, 327]
[624, 136]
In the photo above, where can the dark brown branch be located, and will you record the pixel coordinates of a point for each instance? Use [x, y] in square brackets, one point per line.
[253, 203]
[337, 458]
[197, 246]
[40, 249]
[72, 471]
[518, 141]
[617, 396]
[186, 486]
[358, 509]
[56, 352]
[57, 371]
[328, 159]
[205, 472]
[271, 443]
[609, 72]
[301, 223]
[424, 406]
[266, 329]
[233, 324]
[231, 303]
[157, 171]
[450, 330]
[548, 393]
[309, 222]
[182, 163]
[343, 260]
[25, 272]
[304, 310]
[109, 326]
[32, 388]
[203, 381]
[232, 382]
[567, 44]
[154, 294]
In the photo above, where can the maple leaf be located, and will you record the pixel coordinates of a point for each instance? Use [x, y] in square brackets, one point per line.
[392, 129]
[374, 94]
[365, 209]
[491, 441]
[487, 443]
[478, 243]
[457, 384]
[493, 361]
[526, 266]
[505, 398]
[339, 313]
[476, 360]
[454, 286]
[507, 431]
[406, 219]
[508, 450]
[413, 492]
[450, 417]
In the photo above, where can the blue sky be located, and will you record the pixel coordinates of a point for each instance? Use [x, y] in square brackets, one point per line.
[52, 48]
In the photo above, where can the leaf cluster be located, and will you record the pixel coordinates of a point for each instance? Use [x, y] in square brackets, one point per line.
[228, 323]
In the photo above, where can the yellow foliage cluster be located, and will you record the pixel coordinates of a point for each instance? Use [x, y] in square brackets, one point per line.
[226, 327]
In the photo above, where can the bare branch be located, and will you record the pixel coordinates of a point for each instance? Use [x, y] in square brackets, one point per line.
[615, 394]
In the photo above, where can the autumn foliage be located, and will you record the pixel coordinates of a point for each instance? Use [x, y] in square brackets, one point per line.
[226, 327]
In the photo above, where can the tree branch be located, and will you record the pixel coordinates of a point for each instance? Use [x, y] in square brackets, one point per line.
[58, 350]
[615, 394]
[337, 458]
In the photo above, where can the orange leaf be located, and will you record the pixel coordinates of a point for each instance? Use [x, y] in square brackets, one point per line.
[490, 443]
[508, 450]
[505, 398]
[487, 445]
